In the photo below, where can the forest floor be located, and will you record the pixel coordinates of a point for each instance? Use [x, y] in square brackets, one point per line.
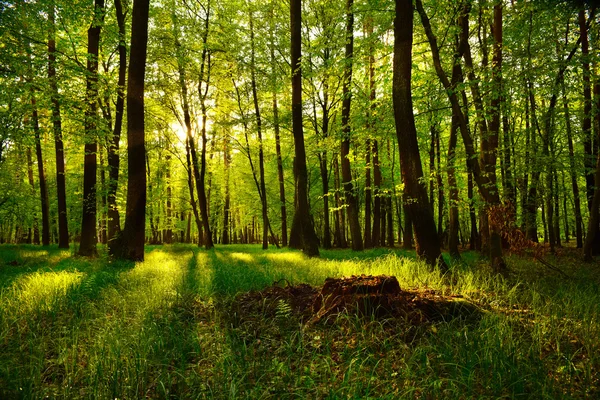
[240, 322]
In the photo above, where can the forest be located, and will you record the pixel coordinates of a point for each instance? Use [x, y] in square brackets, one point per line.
[303, 198]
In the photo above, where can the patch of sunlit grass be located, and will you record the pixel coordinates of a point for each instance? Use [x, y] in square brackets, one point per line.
[40, 291]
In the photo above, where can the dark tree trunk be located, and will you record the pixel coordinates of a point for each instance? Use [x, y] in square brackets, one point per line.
[325, 187]
[168, 237]
[284, 236]
[205, 66]
[87, 246]
[594, 221]
[427, 240]
[227, 204]
[36, 231]
[349, 192]
[573, 174]
[340, 225]
[113, 159]
[368, 241]
[302, 235]
[41, 175]
[63, 225]
[261, 157]
[375, 237]
[133, 234]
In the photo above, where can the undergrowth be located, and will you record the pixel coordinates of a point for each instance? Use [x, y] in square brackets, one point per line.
[163, 328]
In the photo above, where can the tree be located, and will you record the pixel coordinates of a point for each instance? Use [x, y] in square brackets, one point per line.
[302, 235]
[427, 240]
[134, 231]
[87, 245]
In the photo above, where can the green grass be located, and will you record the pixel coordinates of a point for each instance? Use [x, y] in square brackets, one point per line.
[164, 328]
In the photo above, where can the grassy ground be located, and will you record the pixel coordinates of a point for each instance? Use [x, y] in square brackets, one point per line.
[74, 328]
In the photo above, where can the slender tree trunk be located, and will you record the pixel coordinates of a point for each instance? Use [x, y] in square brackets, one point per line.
[375, 237]
[205, 66]
[133, 234]
[36, 230]
[284, 236]
[302, 235]
[113, 158]
[349, 191]
[573, 174]
[41, 174]
[227, 204]
[368, 241]
[87, 246]
[169, 231]
[102, 227]
[63, 225]
[340, 222]
[261, 157]
[427, 240]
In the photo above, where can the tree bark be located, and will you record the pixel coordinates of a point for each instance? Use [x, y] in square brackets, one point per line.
[284, 235]
[134, 231]
[63, 225]
[302, 235]
[205, 66]
[225, 239]
[573, 174]
[427, 240]
[261, 157]
[376, 236]
[349, 192]
[87, 246]
[113, 158]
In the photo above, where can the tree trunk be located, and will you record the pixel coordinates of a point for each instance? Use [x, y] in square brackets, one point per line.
[261, 157]
[427, 240]
[36, 231]
[340, 225]
[133, 234]
[113, 158]
[376, 236]
[63, 225]
[349, 192]
[226, 162]
[302, 235]
[200, 185]
[87, 246]
[284, 236]
[573, 174]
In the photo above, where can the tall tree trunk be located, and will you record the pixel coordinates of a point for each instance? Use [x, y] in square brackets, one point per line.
[349, 191]
[41, 174]
[133, 234]
[205, 66]
[594, 221]
[427, 240]
[573, 174]
[63, 225]
[225, 239]
[340, 221]
[284, 236]
[376, 236]
[87, 246]
[302, 235]
[261, 157]
[370, 131]
[113, 158]
[36, 230]
[169, 231]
